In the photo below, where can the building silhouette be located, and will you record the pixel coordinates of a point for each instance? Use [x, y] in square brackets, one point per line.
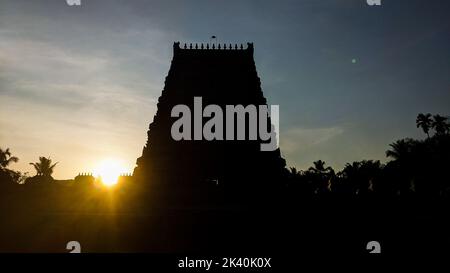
[222, 75]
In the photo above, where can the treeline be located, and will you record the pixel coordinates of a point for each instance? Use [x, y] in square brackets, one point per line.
[416, 167]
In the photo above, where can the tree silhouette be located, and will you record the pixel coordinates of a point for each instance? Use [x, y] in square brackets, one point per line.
[319, 168]
[440, 125]
[424, 121]
[44, 167]
[401, 149]
[7, 175]
[322, 176]
[6, 158]
[361, 176]
[294, 172]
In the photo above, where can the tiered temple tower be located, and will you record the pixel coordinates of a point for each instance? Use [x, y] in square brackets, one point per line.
[221, 75]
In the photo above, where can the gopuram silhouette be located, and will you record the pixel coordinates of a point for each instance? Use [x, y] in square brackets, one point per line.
[222, 75]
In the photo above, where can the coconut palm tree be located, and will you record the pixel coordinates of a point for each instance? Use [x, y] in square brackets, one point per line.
[44, 167]
[6, 158]
[440, 125]
[323, 176]
[424, 121]
[319, 168]
[7, 175]
[360, 176]
[401, 149]
[407, 155]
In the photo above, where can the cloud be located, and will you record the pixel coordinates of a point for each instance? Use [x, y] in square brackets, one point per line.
[297, 140]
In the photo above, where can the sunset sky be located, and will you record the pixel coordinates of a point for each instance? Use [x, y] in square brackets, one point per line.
[80, 84]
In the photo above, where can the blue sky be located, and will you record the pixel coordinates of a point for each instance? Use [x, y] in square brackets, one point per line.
[80, 84]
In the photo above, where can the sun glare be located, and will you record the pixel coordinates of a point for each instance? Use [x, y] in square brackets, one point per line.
[109, 170]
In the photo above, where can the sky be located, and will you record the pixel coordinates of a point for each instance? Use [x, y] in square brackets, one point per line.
[80, 83]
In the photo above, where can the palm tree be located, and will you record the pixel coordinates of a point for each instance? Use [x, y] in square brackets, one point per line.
[360, 176]
[440, 125]
[323, 176]
[319, 168]
[44, 167]
[6, 158]
[5, 173]
[401, 149]
[424, 121]
[350, 170]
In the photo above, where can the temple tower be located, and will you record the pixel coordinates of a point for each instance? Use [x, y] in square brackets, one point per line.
[221, 75]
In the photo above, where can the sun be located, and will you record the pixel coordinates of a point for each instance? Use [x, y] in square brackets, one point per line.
[109, 170]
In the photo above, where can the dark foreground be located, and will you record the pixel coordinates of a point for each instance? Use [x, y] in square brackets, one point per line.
[110, 221]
